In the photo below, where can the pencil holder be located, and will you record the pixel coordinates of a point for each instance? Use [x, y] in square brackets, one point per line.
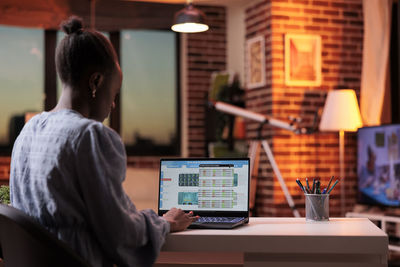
[317, 207]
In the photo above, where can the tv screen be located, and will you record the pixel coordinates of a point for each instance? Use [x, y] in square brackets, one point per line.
[378, 165]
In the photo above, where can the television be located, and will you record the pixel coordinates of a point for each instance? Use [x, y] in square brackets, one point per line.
[378, 165]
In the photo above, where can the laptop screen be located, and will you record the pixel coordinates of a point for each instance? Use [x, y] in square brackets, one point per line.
[204, 184]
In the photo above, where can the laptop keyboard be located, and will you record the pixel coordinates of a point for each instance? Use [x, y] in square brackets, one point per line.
[220, 219]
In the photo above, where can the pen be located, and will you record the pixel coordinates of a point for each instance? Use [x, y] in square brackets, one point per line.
[330, 181]
[308, 185]
[324, 191]
[300, 185]
[333, 186]
[317, 187]
[313, 186]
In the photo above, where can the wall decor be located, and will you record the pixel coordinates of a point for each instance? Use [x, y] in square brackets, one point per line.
[255, 48]
[302, 60]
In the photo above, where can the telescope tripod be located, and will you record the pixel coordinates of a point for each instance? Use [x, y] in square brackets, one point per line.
[254, 155]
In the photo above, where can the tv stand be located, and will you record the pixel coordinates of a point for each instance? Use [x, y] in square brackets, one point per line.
[381, 220]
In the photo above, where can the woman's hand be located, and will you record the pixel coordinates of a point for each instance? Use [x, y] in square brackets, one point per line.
[179, 220]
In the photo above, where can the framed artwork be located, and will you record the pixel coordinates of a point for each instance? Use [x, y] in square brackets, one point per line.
[219, 79]
[255, 48]
[302, 60]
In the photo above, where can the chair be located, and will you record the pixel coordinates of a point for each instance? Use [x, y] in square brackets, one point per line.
[25, 243]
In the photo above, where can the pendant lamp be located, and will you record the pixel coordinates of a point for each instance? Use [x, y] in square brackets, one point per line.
[189, 20]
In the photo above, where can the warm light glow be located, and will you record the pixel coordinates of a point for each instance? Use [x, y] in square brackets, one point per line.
[189, 27]
[341, 112]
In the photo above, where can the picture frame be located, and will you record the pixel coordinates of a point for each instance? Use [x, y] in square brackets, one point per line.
[302, 60]
[255, 53]
[219, 79]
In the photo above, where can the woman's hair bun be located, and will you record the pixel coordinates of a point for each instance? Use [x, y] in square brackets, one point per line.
[72, 25]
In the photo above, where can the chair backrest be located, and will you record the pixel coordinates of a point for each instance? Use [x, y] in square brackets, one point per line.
[24, 242]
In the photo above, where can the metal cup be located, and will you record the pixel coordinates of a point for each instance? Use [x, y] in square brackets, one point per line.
[317, 207]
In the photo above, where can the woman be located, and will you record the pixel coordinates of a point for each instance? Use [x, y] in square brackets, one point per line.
[67, 167]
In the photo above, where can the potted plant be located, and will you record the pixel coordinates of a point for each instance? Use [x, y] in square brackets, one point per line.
[5, 194]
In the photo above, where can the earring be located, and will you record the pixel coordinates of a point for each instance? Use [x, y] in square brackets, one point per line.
[94, 93]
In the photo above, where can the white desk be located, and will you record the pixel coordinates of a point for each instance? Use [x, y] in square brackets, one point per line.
[291, 242]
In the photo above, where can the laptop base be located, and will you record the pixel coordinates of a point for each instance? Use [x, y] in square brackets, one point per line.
[220, 225]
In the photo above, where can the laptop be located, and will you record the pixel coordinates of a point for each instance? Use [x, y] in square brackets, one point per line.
[216, 189]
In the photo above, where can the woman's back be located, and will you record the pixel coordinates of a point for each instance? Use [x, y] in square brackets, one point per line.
[45, 170]
[67, 172]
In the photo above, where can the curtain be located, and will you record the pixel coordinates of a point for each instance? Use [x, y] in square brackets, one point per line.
[375, 64]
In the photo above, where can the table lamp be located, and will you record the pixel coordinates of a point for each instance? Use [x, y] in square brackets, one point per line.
[341, 113]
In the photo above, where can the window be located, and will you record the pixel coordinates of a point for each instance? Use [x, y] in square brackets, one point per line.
[149, 103]
[149, 93]
[21, 79]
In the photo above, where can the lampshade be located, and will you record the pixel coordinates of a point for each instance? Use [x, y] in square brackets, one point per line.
[189, 20]
[341, 112]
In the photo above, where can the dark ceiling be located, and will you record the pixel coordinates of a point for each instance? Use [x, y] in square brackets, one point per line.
[109, 14]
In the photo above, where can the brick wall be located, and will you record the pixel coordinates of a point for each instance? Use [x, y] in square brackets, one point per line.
[340, 25]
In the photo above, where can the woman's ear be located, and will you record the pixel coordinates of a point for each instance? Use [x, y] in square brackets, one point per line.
[95, 82]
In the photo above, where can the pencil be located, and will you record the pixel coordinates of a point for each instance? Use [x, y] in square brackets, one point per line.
[300, 185]
[308, 185]
[313, 186]
[330, 181]
[305, 188]
[333, 186]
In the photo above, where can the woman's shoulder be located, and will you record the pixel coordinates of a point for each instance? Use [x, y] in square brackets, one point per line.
[72, 120]
[74, 126]
[97, 128]
[96, 133]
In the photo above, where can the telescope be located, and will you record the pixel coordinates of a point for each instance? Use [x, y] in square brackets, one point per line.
[262, 119]
[241, 112]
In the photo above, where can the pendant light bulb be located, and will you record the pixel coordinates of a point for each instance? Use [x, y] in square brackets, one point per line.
[189, 20]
